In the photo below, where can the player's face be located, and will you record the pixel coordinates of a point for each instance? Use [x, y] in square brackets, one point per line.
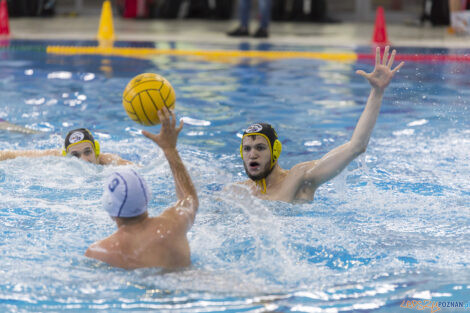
[84, 151]
[256, 156]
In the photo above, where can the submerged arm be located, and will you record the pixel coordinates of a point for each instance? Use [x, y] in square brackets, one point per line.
[12, 154]
[337, 159]
[109, 158]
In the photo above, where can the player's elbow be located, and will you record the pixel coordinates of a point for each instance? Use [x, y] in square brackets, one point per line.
[191, 202]
[194, 202]
[357, 148]
[360, 150]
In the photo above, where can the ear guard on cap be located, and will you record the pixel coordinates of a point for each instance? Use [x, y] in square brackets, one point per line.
[97, 148]
[277, 149]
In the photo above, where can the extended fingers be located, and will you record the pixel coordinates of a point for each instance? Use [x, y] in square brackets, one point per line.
[385, 56]
[362, 73]
[160, 116]
[396, 69]
[173, 119]
[148, 135]
[377, 56]
[166, 112]
[180, 127]
[392, 58]
[164, 116]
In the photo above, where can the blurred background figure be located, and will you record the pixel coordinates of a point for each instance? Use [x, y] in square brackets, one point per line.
[302, 11]
[459, 16]
[458, 5]
[172, 9]
[18, 8]
[244, 8]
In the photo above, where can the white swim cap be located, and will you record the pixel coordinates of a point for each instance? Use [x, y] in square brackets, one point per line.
[126, 194]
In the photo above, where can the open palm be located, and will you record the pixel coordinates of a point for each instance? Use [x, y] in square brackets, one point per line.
[383, 72]
[168, 132]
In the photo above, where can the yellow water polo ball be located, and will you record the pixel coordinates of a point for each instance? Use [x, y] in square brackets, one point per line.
[144, 95]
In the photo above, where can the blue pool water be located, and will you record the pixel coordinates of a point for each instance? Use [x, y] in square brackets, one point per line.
[394, 226]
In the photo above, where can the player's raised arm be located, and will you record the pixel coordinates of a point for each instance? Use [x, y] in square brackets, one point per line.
[337, 159]
[187, 203]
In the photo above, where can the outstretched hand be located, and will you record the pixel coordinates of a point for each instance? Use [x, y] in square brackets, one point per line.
[168, 135]
[383, 72]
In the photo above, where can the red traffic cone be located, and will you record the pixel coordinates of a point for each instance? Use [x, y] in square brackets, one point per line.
[4, 24]
[380, 30]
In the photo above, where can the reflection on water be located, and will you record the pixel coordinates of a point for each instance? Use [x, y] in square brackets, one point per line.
[394, 225]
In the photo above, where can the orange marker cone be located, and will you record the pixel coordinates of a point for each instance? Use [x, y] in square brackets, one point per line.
[4, 24]
[106, 29]
[380, 30]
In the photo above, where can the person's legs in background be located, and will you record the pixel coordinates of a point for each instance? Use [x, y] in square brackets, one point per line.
[244, 7]
[264, 7]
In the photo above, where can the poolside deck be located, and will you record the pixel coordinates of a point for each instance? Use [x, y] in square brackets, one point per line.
[84, 27]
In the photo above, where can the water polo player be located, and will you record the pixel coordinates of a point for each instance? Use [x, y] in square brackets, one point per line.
[260, 148]
[140, 240]
[78, 143]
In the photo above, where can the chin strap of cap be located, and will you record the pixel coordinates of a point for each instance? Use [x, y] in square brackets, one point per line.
[262, 185]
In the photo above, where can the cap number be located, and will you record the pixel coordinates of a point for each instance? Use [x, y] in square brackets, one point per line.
[113, 184]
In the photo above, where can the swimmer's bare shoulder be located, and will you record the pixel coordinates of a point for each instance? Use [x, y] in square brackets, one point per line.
[12, 154]
[163, 236]
[116, 250]
[301, 182]
[241, 188]
[236, 185]
[292, 186]
[300, 169]
[109, 251]
[297, 172]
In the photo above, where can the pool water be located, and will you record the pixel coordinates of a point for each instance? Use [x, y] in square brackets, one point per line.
[394, 226]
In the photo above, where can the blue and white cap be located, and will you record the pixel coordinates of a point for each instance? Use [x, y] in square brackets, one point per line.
[126, 194]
